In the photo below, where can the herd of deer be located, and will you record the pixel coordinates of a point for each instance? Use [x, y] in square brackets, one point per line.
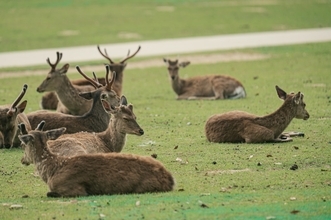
[76, 148]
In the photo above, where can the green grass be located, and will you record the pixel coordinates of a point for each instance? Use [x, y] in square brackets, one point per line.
[47, 24]
[175, 129]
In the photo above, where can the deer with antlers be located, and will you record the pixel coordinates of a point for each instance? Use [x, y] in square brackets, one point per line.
[203, 87]
[239, 126]
[123, 121]
[95, 120]
[10, 117]
[118, 67]
[68, 93]
[93, 174]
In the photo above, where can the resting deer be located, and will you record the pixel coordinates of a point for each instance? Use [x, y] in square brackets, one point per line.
[203, 87]
[93, 174]
[238, 126]
[59, 87]
[122, 122]
[95, 120]
[57, 81]
[10, 117]
[118, 68]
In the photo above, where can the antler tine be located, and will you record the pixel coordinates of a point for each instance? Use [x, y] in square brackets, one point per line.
[87, 78]
[105, 55]
[95, 78]
[18, 99]
[112, 80]
[58, 58]
[128, 57]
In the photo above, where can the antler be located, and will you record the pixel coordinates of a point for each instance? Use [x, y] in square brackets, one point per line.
[18, 99]
[105, 55]
[128, 57]
[109, 84]
[93, 82]
[59, 57]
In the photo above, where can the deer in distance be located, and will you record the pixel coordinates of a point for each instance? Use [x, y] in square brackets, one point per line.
[122, 122]
[93, 174]
[203, 87]
[118, 67]
[58, 86]
[95, 120]
[239, 126]
[10, 117]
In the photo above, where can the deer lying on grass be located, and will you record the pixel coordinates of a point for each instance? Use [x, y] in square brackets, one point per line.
[96, 120]
[122, 122]
[93, 174]
[58, 87]
[238, 126]
[57, 81]
[118, 68]
[203, 87]
[10, 117]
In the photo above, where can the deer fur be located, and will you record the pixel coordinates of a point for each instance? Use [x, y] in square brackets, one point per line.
[95, 120]
[238, 126]
[118, 67]
[123, 121]
[68, 93]
[203, 87]
[10, 117]
[93, 174]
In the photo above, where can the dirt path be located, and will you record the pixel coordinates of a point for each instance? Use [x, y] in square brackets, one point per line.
[195, 59]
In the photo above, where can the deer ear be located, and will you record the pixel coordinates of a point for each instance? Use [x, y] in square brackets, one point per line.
[165, 60]
[21, 106]
[281, 93]
[64, 69]
[22, 128]
[55, 133]
[25, 138]
[184, 64]
[297, 98]
[86, 95]
[124, 101]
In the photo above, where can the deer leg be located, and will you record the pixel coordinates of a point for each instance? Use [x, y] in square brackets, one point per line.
[67, 190]
[257, 134]
[293, 134]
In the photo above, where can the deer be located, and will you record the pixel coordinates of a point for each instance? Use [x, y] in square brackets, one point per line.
[10, 117]
[240, 127]
[57, 81]
[209, 87]
[58, 86]
[93, 174]
[122, 122]
[118, 67]
[95, 120]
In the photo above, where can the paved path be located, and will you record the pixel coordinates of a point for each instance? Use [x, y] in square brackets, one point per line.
[168, 46]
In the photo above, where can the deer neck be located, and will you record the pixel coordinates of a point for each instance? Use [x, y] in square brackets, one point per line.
[47, 164]
[280, 119]
[97, 112]
[113, 137]
[177, 85]
[68, 94]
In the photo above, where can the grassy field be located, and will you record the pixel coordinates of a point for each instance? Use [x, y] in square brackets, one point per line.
[47, 24]
[213, 181]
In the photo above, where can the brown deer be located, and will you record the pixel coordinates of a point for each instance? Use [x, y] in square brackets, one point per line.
[118, 68]
[238, 126]
[122, 122]
[58, 86]
[10, 117]
[203, 87]
[95, 120]
[93, 174]
[57, 81]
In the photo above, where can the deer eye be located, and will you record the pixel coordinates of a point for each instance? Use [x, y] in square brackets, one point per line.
[104, 96]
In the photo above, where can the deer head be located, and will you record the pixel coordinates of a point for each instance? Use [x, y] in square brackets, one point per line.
[8, 120]
[298, 105]
[173, 67]
[52, 79]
